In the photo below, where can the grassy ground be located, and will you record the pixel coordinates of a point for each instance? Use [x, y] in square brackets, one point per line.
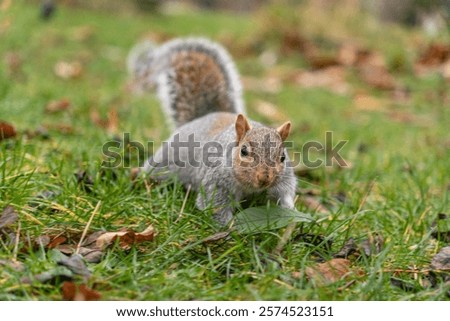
[397, 185]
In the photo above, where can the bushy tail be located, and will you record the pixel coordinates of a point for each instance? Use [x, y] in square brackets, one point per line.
[193, 76]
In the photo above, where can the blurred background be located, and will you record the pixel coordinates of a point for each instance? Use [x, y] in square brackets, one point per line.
[359, 62]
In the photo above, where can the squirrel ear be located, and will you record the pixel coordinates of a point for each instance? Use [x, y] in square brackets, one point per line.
[242, 126]
[284, 130]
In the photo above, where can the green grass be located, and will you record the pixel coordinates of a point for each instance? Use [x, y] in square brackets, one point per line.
[395, 187]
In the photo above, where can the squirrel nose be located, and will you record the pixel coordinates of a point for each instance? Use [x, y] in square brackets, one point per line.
[264, 178]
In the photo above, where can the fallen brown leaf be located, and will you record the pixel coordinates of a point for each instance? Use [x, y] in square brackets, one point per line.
[57, 105]
[441, 261]
[320, 61]
[111, 123]
[56, 241]
[42, 241]
[75, 292]
[9, 216]
[75, 263]
[434, 55]
[216, 237]
[293, 42]
[440, 268]
[14, 63]
[270, 84]
[441, 228]
[125, 238]
[350, 54]
[377, 77]
[12, 264]
[68, 70]
[5, 5]
[370, 246]
[91, 255]
[329, 272]
[332, 78]
[313, 204]
[269, 111]
[6, 130]
[368, 103]
[66, 249]
[83, 33]
[347, 249]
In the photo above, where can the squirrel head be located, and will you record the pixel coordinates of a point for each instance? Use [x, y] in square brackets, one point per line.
[260, 158]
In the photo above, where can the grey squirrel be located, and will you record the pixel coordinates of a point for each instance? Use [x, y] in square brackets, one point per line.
[214, 148]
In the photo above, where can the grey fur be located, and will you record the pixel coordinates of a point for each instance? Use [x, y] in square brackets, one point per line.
[217, 186]
[206, 115]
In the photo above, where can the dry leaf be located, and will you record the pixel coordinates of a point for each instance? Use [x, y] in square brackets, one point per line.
[350, 55]
[6, 130]
[56, 241]
[68, 70]
[75, 264]
[83, 33]
[320, 61]
[329, 272]
[9, 216]
[440, 265]
[445, 70]
[332, 78]
[434, 55]
[66, 249]
[377, 77]
[372, 245]
[269, 84]
[126, 238]
[401, 95]
[441, 228]
[347, 249]
[5, 5]
[441, 261]
[216, 237]
[294, 42]
[270, 111]
[371, 60]
[12, 264]
[91, 255]
[111, 123]
[75, 292]
[42, 241]
[48, 276]
[57, 105]
[313, 204]
[13, 63]
[368, 103]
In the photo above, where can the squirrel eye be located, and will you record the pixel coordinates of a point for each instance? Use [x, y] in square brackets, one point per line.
[244, 151]
[283, 157]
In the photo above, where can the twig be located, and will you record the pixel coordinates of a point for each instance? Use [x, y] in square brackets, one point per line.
[184, 203]
[86, 228]
[345, 286]
[16, 242]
